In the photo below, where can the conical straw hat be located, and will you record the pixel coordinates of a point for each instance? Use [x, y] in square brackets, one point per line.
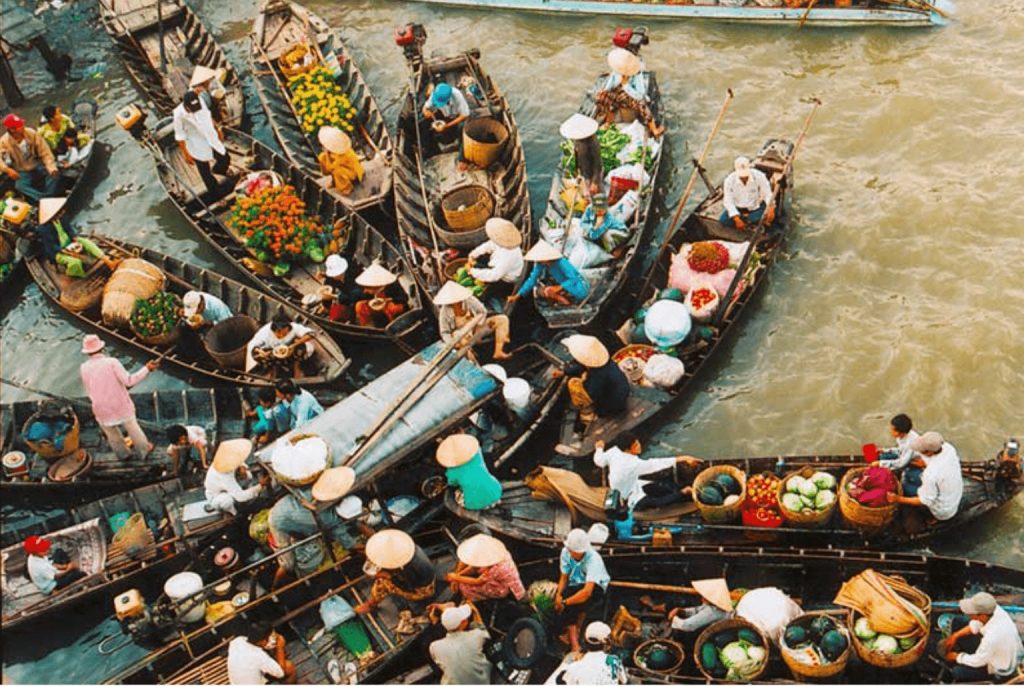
[457, 449]
[49, 207]
[333, 483]
[622, 61]
[334, 140]
[376, 276]
[587, 350]
[542, 251]
[578, 126]
[715, 591]
[503, 232]
[231, 455]
[481, 551]
[201, 75]
[390, 549]
[451, 293]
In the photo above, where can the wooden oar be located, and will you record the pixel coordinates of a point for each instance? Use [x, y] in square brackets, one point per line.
[413, 90]
[665, 588]
[698, 164]
[807, 13]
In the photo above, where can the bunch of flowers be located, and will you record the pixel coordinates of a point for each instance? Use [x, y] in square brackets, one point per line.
[709, 257]
[320, 101]
[273, 222]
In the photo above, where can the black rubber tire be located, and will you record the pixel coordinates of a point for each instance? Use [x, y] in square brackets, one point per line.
[514, 661]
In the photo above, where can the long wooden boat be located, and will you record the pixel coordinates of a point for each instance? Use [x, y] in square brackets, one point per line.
[546, 514]
[218, 410]
[279, 27]
[606, 279]
[646, 401]
[86, 534]
[357, 240]
[912, 13]
[180, 278]
[423, 182]
[161, 42]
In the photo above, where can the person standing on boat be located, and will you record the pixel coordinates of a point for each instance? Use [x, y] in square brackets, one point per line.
[460, 654]
[570, 285]
[902, 429]
[466, 470]
[106, 383]
[582, 582]
[207, 85]
[582, 131]
[600, 665]
[485, 571]
[400, 567]
[339, 160]
[942, 481]
[445, 112]
[625, 467]
[221, 483]
[74, 255]
[626, 90]
[985, 646]
[302, 405]
[457, 307]
[597, 387]
[249, 662]
[26, 158]
[50, 571]
[504, 258]
[199, 140]
[202, 309]
[188, 442]
[281, 334]
[747, 197]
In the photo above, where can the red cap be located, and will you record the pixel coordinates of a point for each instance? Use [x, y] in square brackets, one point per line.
[13, 121]
[34, 545]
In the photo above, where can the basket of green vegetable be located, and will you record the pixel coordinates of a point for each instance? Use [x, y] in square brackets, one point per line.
[807, 497]
[732, 649]
[815, 646]
[155, 320]
[885, 650]
[720, 492]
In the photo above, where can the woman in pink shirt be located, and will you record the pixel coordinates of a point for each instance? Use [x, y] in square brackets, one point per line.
[106, 383]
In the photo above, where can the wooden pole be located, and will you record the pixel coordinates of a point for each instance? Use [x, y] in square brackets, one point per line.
[666, 588]
[807, 13]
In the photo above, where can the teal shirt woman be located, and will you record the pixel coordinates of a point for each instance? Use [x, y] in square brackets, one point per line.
[465, 468]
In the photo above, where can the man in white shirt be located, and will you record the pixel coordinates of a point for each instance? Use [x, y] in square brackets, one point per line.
[625, 467]
[748, 197]
[460, 654]
[222, 489]
[505, 258]
[281, 333]
[199, 140]
[599, 665]
[249, 662]
[997, 652]
[942, 482]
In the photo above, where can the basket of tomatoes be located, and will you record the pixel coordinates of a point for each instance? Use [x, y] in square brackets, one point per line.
[273, 223]
[762, 506]
[155, 320]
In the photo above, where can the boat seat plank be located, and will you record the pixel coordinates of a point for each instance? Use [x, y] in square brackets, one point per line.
[145, 17]
[213, 671]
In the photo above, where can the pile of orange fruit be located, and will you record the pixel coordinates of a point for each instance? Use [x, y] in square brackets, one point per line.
[273, 222]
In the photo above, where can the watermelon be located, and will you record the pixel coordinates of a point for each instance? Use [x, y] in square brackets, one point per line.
[749, 635]
[727, 484]
[821, 625]
[725, 638]
[833, 645]
[709, 656]
[709, 494]
[795, 635]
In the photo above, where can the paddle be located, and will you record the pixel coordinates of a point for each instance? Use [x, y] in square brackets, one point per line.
[698, 164]
[807, 13]
[439, 274]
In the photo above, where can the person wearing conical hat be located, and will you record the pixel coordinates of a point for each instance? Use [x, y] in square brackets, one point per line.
[206, 83]
[603, 227]
[626, 89]
[465, 469]
[27, 160]
[570, 285]
[717, 603]
[485, 570]
[582, 131]
[458, 307]
[597, 387]
[747, 196]
[504, 252]
[400, 567]
[222, 489]
[383, 297]
[338, 160]
[74, 255]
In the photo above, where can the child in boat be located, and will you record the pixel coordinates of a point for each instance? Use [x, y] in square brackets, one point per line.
[50, 571]
[188, 442]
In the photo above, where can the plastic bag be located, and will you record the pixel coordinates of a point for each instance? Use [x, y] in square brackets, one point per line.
[708, 300]
[769, 609]
[664, 370]
[335, 611]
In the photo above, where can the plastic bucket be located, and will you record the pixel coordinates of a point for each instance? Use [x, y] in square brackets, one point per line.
[181, 586]
[870, 451]
[517, 394]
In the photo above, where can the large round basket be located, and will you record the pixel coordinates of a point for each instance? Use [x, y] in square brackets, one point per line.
[804, 670]
[808, 520]
[453, 267]
[674, 649]
[226, 341]
[720, 514]
[45, 448]
[725, 625]
[883, 660]
[467, 208]
[160, 340]
[483, 139]
[70, 467]
[134, 279]
[83, 294]
[310, 478]
[869, 520]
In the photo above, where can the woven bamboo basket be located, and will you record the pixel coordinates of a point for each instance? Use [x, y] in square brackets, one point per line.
[483, 140]
[226, 341]
[673, 647]
[720, 514]
[46, 449]
[454, 266]
[725, 625]
[870, 520]
[810, 519]
[804, 670]
[309, 479]
[467, 208]
[904, 659]
[134, 279]
[83, 295]
[160, 340]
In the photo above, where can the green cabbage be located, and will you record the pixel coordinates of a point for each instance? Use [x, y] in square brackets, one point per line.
[794, 483]
[824, 500]
[863, 629]
[757, 654]
[824, 481]
[792, 502]
[886, 644]
[808, 502]
[734, 656]
[808, 489]
[908, 642]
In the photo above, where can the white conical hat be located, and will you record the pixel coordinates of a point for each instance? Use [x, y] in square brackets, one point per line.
[457, 449]
[376, 276]
[201, 75]
[334, 140]
[587, 350]
[333, 483]
[481, 551]
[578, 127]
[231, 455]
[715, 591]
[542, 251]
[503, 232]
[390, 549]
[622, 61]
[452, 292]
[49, 207]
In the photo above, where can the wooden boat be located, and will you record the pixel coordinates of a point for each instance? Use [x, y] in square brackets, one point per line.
[545, 514]
[896, 13]
[161, 42]
[218, 410]
[425, 183]
[359, 242]
[181, 277]
[279, 27]
[172, 533]
[608, 278]
[702, 224]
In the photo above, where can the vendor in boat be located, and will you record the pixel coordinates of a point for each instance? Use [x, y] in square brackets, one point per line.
[582, 131]
[339, 294]
[72, 148]
[187, 445]
[465, 469]
[203, 309]
[458, 307]
[570, 285]
[504, 252]
[106, 383]
[280, 345]
[747, 197]
[985, 646]
[600, 665]
[206, 83]
[603, 227]
[625, 467]
[445, 112]
[222, 489]
[26, 158]
[623, 92]
[249, 662]
[302, 405]
[485, 571]
[74, 255]
[400, 567]
[199, 140]
[383, 299]
[460, 654]
[942, 481]
[50, 570]
[271, 417]
[339, 160]
[53, 124]
[582, 582]
[597, 387]
[716, 604]
[902, 457]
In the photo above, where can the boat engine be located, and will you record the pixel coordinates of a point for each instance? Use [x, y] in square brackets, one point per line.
[631, 39]
[134, 616]
[133, 120]
[411, 38]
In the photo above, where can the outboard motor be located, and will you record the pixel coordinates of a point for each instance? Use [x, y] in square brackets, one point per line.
[631, 39]
[411, 38]
[134, 616]
[133, 120]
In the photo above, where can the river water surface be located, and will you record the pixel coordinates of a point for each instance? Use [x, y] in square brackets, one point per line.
[901, 289]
